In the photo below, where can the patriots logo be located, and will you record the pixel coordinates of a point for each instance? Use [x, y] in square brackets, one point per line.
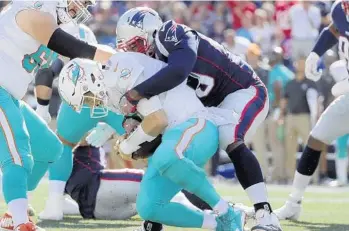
[137, 19]
[171, 34]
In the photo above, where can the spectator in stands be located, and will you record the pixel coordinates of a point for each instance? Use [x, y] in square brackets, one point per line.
[245, 29]
[217, 32]
[262, 33]
[305, 21]
[300, 103]
[236, 44]
[279, 76]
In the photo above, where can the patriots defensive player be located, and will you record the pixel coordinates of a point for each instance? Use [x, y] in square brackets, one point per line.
[71, 128]
[223, 80]
[29, 34]
[189, 138]
[333, 122]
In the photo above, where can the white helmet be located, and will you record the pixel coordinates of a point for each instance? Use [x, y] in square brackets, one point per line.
[74, 10]
[136, 29]
[81, 85]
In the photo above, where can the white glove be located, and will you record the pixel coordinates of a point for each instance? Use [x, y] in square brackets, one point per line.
[100, 134]
[311, 65]
[43, 112]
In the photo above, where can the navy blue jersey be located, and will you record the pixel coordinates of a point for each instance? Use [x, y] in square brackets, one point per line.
[219, 71]
[341, 21]
[84, 181]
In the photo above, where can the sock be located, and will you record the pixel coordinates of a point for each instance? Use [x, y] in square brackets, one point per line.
[18, 209]
[196, 201]
[209, 222]
[300, 183]
[152, 226]
[248, 170]
[308, 161]
[221, 207]
[342, 170]
[56, 187]
[250, 176]
[258, 196]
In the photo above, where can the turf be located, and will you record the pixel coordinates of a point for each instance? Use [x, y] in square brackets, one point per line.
[324, 209]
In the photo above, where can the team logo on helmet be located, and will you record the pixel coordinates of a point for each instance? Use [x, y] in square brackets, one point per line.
[137, 19]
[75, 72]
[171, 34]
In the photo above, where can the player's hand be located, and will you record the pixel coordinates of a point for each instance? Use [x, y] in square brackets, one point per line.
[119, 152]
[311, 67]
[128, 102]
[100, 135]
[43, 112]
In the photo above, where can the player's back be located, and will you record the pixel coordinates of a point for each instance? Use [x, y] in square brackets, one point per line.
[132, 69]
[20, 55]
[220, 72]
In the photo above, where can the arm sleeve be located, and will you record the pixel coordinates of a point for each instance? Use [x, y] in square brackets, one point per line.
[180, 47]
[325, 41]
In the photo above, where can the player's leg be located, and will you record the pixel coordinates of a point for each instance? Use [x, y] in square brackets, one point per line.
[252, 104]
[332, 124]
[178, 161]
[16, 160]
[45, 145]
[71, 127]
[117, 193]
[341, 161]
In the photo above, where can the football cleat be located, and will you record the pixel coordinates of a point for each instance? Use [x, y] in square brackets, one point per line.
[291, 210]
[54, 209]
[233, 220]
[150, 226]
[6, 222]
[266, 221]
[28, 227]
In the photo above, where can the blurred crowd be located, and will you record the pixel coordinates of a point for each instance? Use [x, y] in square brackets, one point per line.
[275, 38]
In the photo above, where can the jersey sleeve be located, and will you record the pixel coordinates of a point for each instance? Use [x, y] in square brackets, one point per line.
[173, 36]
[88, 34]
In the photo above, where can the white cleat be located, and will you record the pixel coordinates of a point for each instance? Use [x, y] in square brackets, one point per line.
[289, 211]
[70, 207]
[266, 221]
[249, 211]
[53, 209]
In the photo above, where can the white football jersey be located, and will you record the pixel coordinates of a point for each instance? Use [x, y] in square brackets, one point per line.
[128, 69]
[20, 55]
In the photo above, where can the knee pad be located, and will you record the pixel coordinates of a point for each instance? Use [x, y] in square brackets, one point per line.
[186, 174]
[14, 182]
[62, 168]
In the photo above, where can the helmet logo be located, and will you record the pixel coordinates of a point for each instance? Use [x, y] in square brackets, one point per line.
[125, 73]
[171, 35]
[75, 72]
[137, 19]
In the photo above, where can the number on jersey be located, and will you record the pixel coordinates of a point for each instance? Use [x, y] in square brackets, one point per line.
[42, 58]
[343, 49]
[206, 84]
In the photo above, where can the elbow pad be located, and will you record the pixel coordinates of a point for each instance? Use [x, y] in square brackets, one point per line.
[69, 46]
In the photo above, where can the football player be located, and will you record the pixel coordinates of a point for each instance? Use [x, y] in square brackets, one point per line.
[189, 138]
[221, 79]
[29, 36]
[333, 122]
[71, 125]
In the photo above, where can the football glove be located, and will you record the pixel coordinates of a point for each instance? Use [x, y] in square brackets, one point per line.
[100, 135]
[311, 67]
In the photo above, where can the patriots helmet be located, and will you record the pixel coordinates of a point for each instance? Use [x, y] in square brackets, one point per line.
[80, 85]
[136, 29]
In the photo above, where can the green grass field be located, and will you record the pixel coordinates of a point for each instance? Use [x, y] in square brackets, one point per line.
[324, 209]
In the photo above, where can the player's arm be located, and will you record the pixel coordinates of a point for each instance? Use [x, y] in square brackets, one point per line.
[43, 28]
[153, 124]
[327, 39]
[181, 58]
